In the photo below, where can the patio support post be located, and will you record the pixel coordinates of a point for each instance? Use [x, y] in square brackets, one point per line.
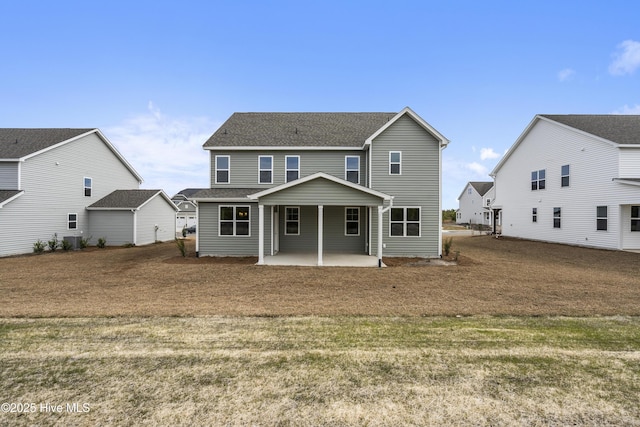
[379, 236]
[260, 234]
[320, 232]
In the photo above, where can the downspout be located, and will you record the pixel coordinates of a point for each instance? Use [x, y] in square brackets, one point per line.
[381, 212]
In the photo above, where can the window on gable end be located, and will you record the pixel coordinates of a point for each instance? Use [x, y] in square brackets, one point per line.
[395, 162]
[88, 185]
[564, 176]
[538, 180]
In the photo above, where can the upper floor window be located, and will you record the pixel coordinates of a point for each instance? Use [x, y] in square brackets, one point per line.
[469, 190]
[488, 203]
[222, 169]
[234, 221]
[635, 218]
[72, 221]
[538, 180]
[265, 169]
[88, 184]
[564, 175]
[352, 169]
[395, 162]
[292, 167]
[601, 218]
[557, 217]
[405, 222]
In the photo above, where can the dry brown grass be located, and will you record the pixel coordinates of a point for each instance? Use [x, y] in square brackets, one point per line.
[493, 277]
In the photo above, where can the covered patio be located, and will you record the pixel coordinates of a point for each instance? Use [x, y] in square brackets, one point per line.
[329, 260]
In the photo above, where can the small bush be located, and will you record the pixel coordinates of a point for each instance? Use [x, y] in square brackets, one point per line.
[66, 245]
[84, 242]
[54, 243]
[446, 245]
[181, 247]
[102, 242]
[38, 247]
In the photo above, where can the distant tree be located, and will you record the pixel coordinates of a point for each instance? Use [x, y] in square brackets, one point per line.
[448, 215]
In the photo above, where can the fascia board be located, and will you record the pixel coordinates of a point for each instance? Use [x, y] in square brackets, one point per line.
[280, 148]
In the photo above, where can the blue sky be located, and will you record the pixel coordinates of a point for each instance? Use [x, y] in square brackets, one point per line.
[159, 77]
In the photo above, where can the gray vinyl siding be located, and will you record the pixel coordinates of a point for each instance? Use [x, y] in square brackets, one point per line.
[244, 165]
[115, 226]
[321, 192]
[211, 244]
[9, 176]
[53, 184]
[417, 186]
[156, 212]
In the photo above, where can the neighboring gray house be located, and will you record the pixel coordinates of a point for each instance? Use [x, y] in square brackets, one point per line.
[48, 177]
[137, 217]
[572, 179]
[187, 215]
[474, 203]
[363, 183]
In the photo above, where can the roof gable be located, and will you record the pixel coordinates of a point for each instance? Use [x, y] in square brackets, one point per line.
[128, 200]
[481, 187]
[19, 143]
[419, 120]
[274, 130]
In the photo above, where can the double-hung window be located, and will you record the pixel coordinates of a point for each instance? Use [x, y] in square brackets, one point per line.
[601, 218]
[352, 221]
[292, 167]
[88, 185]
[404, 222]
[265, 169]
[234, 221]
[538, 180]
[557, 217]
[564, 176]
[72, 221]
[534, 214]
[223, 169]
[292, 221]
[395, 162]
[352, 169]
[635, 218]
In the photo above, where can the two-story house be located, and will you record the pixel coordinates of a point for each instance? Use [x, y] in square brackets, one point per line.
[573, 179]
[474, 204]
[186, 217]
[360, 183]
[74, 182]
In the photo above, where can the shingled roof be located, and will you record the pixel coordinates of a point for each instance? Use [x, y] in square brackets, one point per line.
[297, 129]
[124, 199]
[482, 186]
[18, 143]
[618, 128]
[8, 194]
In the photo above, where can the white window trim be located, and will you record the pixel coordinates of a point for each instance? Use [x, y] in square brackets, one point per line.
[538, 179]
[534, 215]
[265, 170]
[606, 217]
[398, 163]
[559, 217]
[633, 218]
[346, 221]
[286, 233]
[287, 170]
[234, 220]
[69, 221]
[404, 221]
[347, 170]
[215, 172]
[567, 175]
[84, 186]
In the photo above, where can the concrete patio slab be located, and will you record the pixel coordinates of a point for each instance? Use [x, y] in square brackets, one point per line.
[329, 260]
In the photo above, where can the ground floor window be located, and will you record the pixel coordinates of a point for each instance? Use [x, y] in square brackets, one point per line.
[635, 218]
[557, 215]
[405, 222]
[352, 222]
[72, 221]
[534, 214]
[234, 221]
[601, 218]
[292, 221]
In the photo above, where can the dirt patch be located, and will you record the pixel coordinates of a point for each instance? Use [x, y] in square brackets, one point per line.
[492, 276]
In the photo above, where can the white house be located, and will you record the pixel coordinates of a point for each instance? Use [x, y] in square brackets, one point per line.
[573, 179]
[474, 203]
[48, 179]
[187, 215]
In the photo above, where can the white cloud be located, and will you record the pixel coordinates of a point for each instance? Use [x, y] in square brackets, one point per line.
[166, 151]
[628, 110]
[488, 153]
[626, 59]
[566, 74]
[478, 169]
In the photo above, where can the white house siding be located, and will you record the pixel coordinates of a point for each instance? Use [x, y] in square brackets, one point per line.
[630, 162]
[417, 186]
[244, 165]
[53, 182]
[473, 207]
[157, 212]
[9, 175]
[211, 244]
[116, 227]
[593, 165]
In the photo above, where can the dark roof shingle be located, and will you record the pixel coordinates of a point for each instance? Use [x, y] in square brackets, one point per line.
[124, 199]
[297, 129]
[7, 194]
[18, 143]
[482, 186]
[618, 128]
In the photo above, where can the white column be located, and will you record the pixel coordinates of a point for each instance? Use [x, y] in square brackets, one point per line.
[320, 232]
[379, 235]
[260, 234]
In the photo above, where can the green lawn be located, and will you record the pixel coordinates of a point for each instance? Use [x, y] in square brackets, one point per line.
[321, 371]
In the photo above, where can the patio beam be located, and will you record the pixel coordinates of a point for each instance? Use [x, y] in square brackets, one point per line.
[260, 234]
